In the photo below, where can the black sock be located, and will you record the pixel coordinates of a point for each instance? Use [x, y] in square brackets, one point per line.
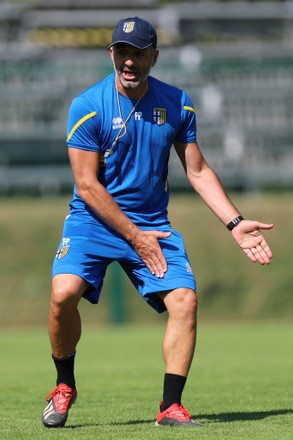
[65, 370]
[173, 388]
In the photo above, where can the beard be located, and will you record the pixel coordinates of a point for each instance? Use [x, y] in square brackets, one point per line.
[131, 79]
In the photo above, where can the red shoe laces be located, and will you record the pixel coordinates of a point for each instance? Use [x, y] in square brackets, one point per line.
[180, 412]
[63, 396]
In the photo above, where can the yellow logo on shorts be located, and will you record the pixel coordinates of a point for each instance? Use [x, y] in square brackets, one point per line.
[63, 250]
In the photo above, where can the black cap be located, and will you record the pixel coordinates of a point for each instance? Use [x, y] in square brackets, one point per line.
[135, 31]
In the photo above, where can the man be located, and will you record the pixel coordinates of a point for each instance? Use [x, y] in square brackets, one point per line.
[120, 132]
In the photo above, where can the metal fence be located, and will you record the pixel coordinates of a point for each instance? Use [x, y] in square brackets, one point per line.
[242, 90]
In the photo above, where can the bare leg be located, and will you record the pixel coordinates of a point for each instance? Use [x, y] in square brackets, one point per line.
[180, 336]
[64, 330]
[64, 323]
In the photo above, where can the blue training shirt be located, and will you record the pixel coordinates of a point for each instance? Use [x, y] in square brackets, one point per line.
[134, 169]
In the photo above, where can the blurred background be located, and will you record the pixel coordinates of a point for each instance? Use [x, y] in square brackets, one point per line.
[235, 60]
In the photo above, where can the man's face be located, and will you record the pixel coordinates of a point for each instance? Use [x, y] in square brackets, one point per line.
[132, 65]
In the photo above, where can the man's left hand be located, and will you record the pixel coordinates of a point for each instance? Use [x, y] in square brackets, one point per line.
[248, 236]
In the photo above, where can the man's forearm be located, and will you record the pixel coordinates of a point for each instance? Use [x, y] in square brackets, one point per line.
[106, 208]
[210, 189]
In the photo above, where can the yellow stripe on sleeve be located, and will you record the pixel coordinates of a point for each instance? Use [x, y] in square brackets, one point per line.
[79, 123]
[186, 107]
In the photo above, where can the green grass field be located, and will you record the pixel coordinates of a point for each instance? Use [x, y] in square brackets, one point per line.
[240, 385]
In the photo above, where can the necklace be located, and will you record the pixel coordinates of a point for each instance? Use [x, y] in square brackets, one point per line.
[123, 129]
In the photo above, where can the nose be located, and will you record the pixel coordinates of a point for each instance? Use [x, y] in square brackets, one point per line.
[129, 60]
[129, 63]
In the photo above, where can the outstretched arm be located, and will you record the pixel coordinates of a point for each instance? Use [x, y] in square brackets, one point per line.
[207, 184]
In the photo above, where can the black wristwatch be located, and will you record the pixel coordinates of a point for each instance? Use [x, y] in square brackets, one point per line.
[234, 222]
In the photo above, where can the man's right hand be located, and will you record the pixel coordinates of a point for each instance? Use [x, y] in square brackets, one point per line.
[147, 246]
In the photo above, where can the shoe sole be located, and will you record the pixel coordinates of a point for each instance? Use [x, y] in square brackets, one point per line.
[191, 424]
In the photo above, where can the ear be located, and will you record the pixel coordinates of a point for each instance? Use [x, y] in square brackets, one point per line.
[155, 57]
[111, 52]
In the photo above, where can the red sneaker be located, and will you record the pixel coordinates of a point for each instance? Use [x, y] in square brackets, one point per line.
[59, 402]
[175, 415]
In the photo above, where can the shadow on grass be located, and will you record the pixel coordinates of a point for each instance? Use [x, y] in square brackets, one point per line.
[130, 422]
[243, 416]
[227, 417]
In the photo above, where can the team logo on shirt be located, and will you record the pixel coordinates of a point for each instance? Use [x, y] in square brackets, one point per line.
[128, 26]
[160, 115]
[63, 250]
[117, 123]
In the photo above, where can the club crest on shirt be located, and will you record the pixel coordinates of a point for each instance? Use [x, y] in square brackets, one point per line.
[160, 115]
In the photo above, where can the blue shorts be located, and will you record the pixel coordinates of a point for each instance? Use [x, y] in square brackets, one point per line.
[87, 248]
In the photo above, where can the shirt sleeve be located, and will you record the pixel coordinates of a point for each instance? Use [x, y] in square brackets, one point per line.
[188, 131]
[82, 126]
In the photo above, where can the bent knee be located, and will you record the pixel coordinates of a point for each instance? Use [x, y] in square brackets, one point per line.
[190, 301]
[182, 302]
[67, 289]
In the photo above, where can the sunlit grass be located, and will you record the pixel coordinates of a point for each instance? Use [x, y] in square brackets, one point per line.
[240, 385]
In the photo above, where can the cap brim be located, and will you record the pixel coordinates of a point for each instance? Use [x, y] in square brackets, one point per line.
[137, 45]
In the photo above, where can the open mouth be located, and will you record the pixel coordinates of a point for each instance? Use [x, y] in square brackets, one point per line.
[130, 75]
